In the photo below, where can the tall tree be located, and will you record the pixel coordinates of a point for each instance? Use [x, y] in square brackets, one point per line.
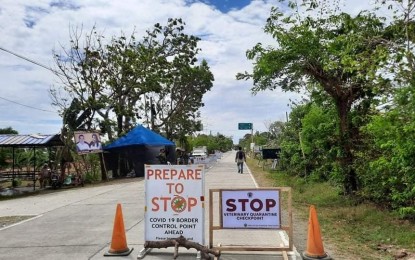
[81, 92]
[176, 108]
[173, 108]
[386, 165]
[108, 85]
[339, 55]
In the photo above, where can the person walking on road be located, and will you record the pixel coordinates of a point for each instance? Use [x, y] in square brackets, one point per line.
[240, 159]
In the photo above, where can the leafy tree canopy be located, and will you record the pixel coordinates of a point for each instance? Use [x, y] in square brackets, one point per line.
[113, 86]
[338, 55]
[8, 130]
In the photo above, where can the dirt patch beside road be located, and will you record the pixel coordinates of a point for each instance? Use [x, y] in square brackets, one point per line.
[10, 220]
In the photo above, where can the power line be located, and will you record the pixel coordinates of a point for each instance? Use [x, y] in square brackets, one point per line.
[32, 61]
[36, 63]
[44, 110]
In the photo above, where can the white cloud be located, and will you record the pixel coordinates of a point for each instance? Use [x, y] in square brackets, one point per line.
[34, 28]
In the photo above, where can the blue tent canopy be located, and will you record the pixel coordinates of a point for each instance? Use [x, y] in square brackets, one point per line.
[139, 136]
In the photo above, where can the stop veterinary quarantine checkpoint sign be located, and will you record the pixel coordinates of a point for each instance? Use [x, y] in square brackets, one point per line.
[174, 202]
[252, 209]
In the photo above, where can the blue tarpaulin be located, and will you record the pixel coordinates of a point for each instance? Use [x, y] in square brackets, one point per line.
[139, 136]
[132, 151]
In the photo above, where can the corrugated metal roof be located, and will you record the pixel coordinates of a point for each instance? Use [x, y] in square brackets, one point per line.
[32, 140]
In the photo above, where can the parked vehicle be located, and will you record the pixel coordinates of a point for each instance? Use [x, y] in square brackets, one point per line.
[200, 151]
[54, 180]
[74, 180]
[58, 181]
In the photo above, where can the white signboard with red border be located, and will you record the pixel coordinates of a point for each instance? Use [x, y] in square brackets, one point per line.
[174, 203]
[251, 209]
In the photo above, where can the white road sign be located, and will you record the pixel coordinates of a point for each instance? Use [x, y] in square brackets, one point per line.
[251, 209]
[174, 202]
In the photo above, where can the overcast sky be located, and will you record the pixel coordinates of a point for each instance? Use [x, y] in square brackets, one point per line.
[228, 28]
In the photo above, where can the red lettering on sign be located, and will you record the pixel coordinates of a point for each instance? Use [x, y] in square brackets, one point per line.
[150, 173]
[158, 174]
[172, 174]
[175, 203]
[156, 206]
[191, 203]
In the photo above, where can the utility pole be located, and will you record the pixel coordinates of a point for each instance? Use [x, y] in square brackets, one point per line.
[252, 135]
[302, 151]
[152, 113]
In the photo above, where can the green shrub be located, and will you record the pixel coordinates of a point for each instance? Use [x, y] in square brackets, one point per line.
[91, 177]
[16, 182]
[407, 212]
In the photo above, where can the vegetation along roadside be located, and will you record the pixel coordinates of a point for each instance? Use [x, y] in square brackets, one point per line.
[350, 230]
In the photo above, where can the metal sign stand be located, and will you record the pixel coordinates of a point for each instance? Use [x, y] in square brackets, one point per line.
[289, 228]
[143, 253]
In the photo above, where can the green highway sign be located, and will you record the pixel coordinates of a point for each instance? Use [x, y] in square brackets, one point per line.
[244, 126]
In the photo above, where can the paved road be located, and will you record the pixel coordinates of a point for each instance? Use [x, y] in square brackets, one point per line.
[77, 223]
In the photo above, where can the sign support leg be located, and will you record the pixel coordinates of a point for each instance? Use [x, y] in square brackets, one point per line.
[143, 253]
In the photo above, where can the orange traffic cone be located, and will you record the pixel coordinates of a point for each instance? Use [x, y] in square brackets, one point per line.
[315, 249]
[119, 242]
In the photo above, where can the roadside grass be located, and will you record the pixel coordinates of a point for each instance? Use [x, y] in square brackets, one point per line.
[355, 229]
[10, 220]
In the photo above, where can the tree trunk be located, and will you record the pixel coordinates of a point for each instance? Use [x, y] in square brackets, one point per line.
[103, 167]
[119, 125]
[346, 157]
